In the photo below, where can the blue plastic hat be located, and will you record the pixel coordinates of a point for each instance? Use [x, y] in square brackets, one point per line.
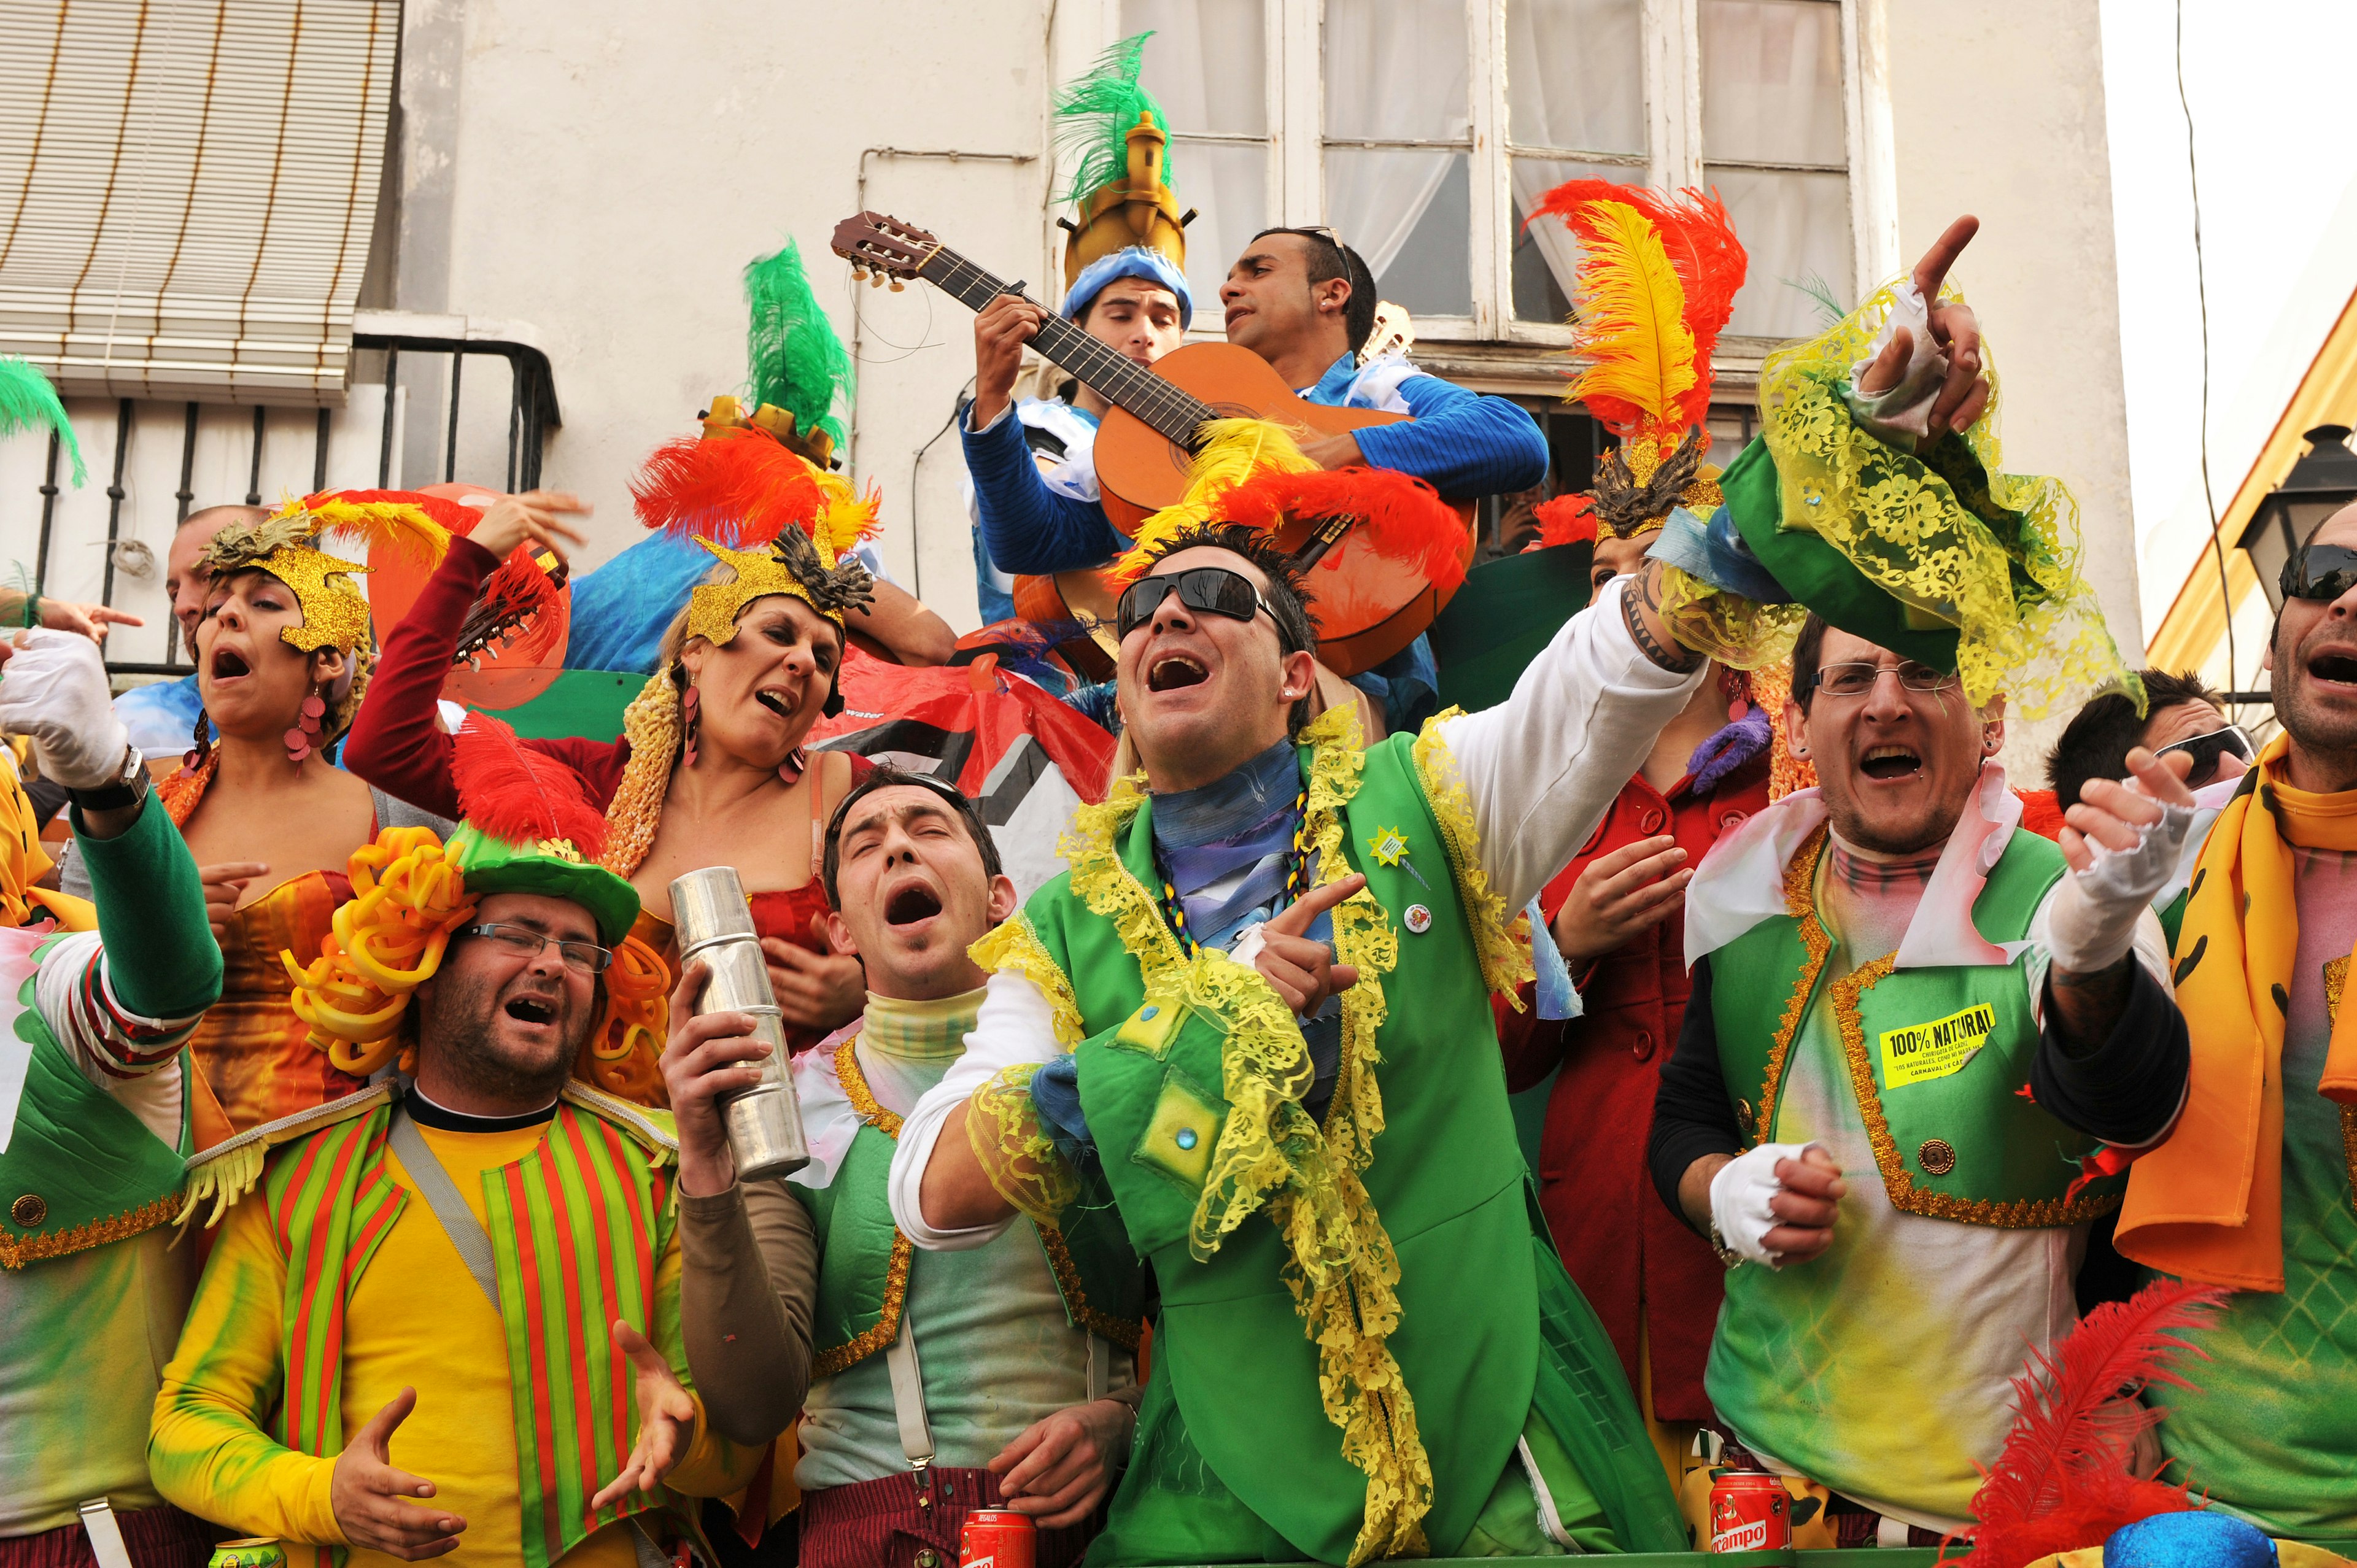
[1137, 262]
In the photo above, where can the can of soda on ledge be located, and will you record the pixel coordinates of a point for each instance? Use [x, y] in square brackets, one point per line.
[996, 1538]
[256, 1552]
[1750, 1511]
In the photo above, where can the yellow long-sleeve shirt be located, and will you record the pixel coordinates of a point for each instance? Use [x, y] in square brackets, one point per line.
[415, 1320]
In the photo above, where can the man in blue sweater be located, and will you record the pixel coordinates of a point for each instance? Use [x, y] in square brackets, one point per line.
[1304, 301]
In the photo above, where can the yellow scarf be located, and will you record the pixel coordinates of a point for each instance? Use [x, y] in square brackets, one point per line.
[2208, 1203]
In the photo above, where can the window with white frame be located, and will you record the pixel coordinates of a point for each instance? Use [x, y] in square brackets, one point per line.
[1422, 130]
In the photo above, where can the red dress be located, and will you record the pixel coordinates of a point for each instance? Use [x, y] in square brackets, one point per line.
[396, 746]
[1629, 1253]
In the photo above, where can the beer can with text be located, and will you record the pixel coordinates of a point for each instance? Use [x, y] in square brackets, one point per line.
[1750, 1511]
[996, 1538]
[258, 1551]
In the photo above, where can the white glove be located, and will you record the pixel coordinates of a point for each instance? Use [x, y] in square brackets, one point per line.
[1901, 415]
[1738, 1200]
[53, 689]
[2092, 922]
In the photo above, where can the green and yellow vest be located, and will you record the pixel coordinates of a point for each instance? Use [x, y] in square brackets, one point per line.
[80, 1170]
[862, 1278]
[578, 1228]
[1377, 1272]
[1938, 1057]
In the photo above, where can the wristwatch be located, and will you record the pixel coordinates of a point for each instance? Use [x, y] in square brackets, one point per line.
[128, 787]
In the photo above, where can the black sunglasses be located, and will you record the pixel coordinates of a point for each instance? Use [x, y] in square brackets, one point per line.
[1214, 590]
[2319, 571]
[2206, 750]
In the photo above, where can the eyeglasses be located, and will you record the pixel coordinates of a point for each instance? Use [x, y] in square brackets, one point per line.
[1857, 679]
[1214, 590]
[2206, 750]
[523, 942]
[2319, 571]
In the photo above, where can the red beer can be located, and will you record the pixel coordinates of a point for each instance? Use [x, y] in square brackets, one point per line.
[1750, 1511]
[998, 1537]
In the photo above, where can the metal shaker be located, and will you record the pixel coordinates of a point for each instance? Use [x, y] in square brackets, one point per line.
[714, 923]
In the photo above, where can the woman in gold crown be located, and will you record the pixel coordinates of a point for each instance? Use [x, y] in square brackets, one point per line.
[710, 768]
[283, 655]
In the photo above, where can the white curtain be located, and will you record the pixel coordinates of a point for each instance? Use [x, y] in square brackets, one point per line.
[1208, 64]
[1574, 78]
[1771, 86]
[1394, 69]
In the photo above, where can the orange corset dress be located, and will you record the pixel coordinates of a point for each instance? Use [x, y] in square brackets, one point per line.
[252, 1051]
[785, 914]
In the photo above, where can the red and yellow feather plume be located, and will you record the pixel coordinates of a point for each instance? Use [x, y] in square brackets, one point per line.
[1696, 238]
[1400, 516]
[1564, 519]
[518, 596]
[740, 487]
[1631, 327]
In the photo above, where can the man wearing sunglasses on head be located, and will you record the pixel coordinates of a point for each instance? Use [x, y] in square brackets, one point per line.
[1880, 965]
[2181, 715]
[2253, 1188]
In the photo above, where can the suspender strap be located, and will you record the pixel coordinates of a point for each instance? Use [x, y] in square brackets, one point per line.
[441, 1195]
[105, 1534]
[909, 1395]
[1100, 1367]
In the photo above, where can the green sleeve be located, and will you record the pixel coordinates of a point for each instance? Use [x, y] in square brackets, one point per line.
[161, 958]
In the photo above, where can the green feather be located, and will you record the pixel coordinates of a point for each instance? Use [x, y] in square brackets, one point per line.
[795, 359]
[1095, 113]
[28, 400]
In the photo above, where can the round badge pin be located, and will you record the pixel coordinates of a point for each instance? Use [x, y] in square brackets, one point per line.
[1419, 918]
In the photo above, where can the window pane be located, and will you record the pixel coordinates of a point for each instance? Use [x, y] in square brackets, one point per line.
[1410, 214]
[1547, 256]
[1227, 184]
[1796, 230]
[1207, 62]
[1575, 74]
[1771, 80]
[1396, 69]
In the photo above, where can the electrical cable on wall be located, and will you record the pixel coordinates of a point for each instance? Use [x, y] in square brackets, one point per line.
[2202, 297]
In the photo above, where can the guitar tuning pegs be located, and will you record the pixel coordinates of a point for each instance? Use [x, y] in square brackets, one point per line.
[876, 280]
[897, 286]
[857, 272]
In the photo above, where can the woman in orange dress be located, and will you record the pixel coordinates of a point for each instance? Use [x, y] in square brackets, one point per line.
[710, 768]
[282, 655]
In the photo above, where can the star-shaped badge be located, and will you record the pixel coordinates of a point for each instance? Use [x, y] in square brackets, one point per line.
[1389, 847]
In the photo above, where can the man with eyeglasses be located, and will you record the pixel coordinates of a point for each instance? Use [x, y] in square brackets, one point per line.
[1251, 1021]
[2253, 1190]
[429, 1302]
[1917, 1048]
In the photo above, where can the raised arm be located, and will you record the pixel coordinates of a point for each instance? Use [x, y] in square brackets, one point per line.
[395, 743]
[1541, 769]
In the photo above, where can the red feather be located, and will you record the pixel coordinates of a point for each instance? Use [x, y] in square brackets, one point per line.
[736, 488]
[518, 796]
[1565, 520]
[1700, 239]
[2062, 1481]
[1401, 518]
[520, 591]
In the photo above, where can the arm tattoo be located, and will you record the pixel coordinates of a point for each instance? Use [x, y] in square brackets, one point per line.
[1677, 660]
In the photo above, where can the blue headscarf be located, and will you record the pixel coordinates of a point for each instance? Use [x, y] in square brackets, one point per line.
[1137, 262]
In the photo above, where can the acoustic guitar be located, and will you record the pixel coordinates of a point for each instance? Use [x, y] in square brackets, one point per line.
[1367, 607]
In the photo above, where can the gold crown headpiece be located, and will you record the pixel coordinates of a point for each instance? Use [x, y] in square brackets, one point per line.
[287, 546]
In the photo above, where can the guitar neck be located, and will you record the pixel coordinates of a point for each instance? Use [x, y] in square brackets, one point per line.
[1124, 382]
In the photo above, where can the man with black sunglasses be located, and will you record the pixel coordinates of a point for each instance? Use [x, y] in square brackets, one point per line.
[1283, 945]
[2253, 1188]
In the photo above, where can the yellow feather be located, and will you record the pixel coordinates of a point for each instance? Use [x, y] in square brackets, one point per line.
[397, 525]
[1233, 451]
[846, 517]
[1632, 312]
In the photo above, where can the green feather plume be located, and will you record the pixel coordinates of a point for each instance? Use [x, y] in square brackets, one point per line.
[28, 400]
[1094, 114]
[796, 360]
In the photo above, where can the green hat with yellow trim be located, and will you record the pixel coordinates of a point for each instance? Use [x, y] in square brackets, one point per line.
[1935, 554]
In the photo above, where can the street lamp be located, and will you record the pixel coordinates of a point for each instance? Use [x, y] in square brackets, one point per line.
[2319, 484]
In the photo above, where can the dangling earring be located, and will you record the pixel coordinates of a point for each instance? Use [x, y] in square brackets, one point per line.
[305, 733]
[194, 757]
[690, 705]
[1736, 690]
[790, 771]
